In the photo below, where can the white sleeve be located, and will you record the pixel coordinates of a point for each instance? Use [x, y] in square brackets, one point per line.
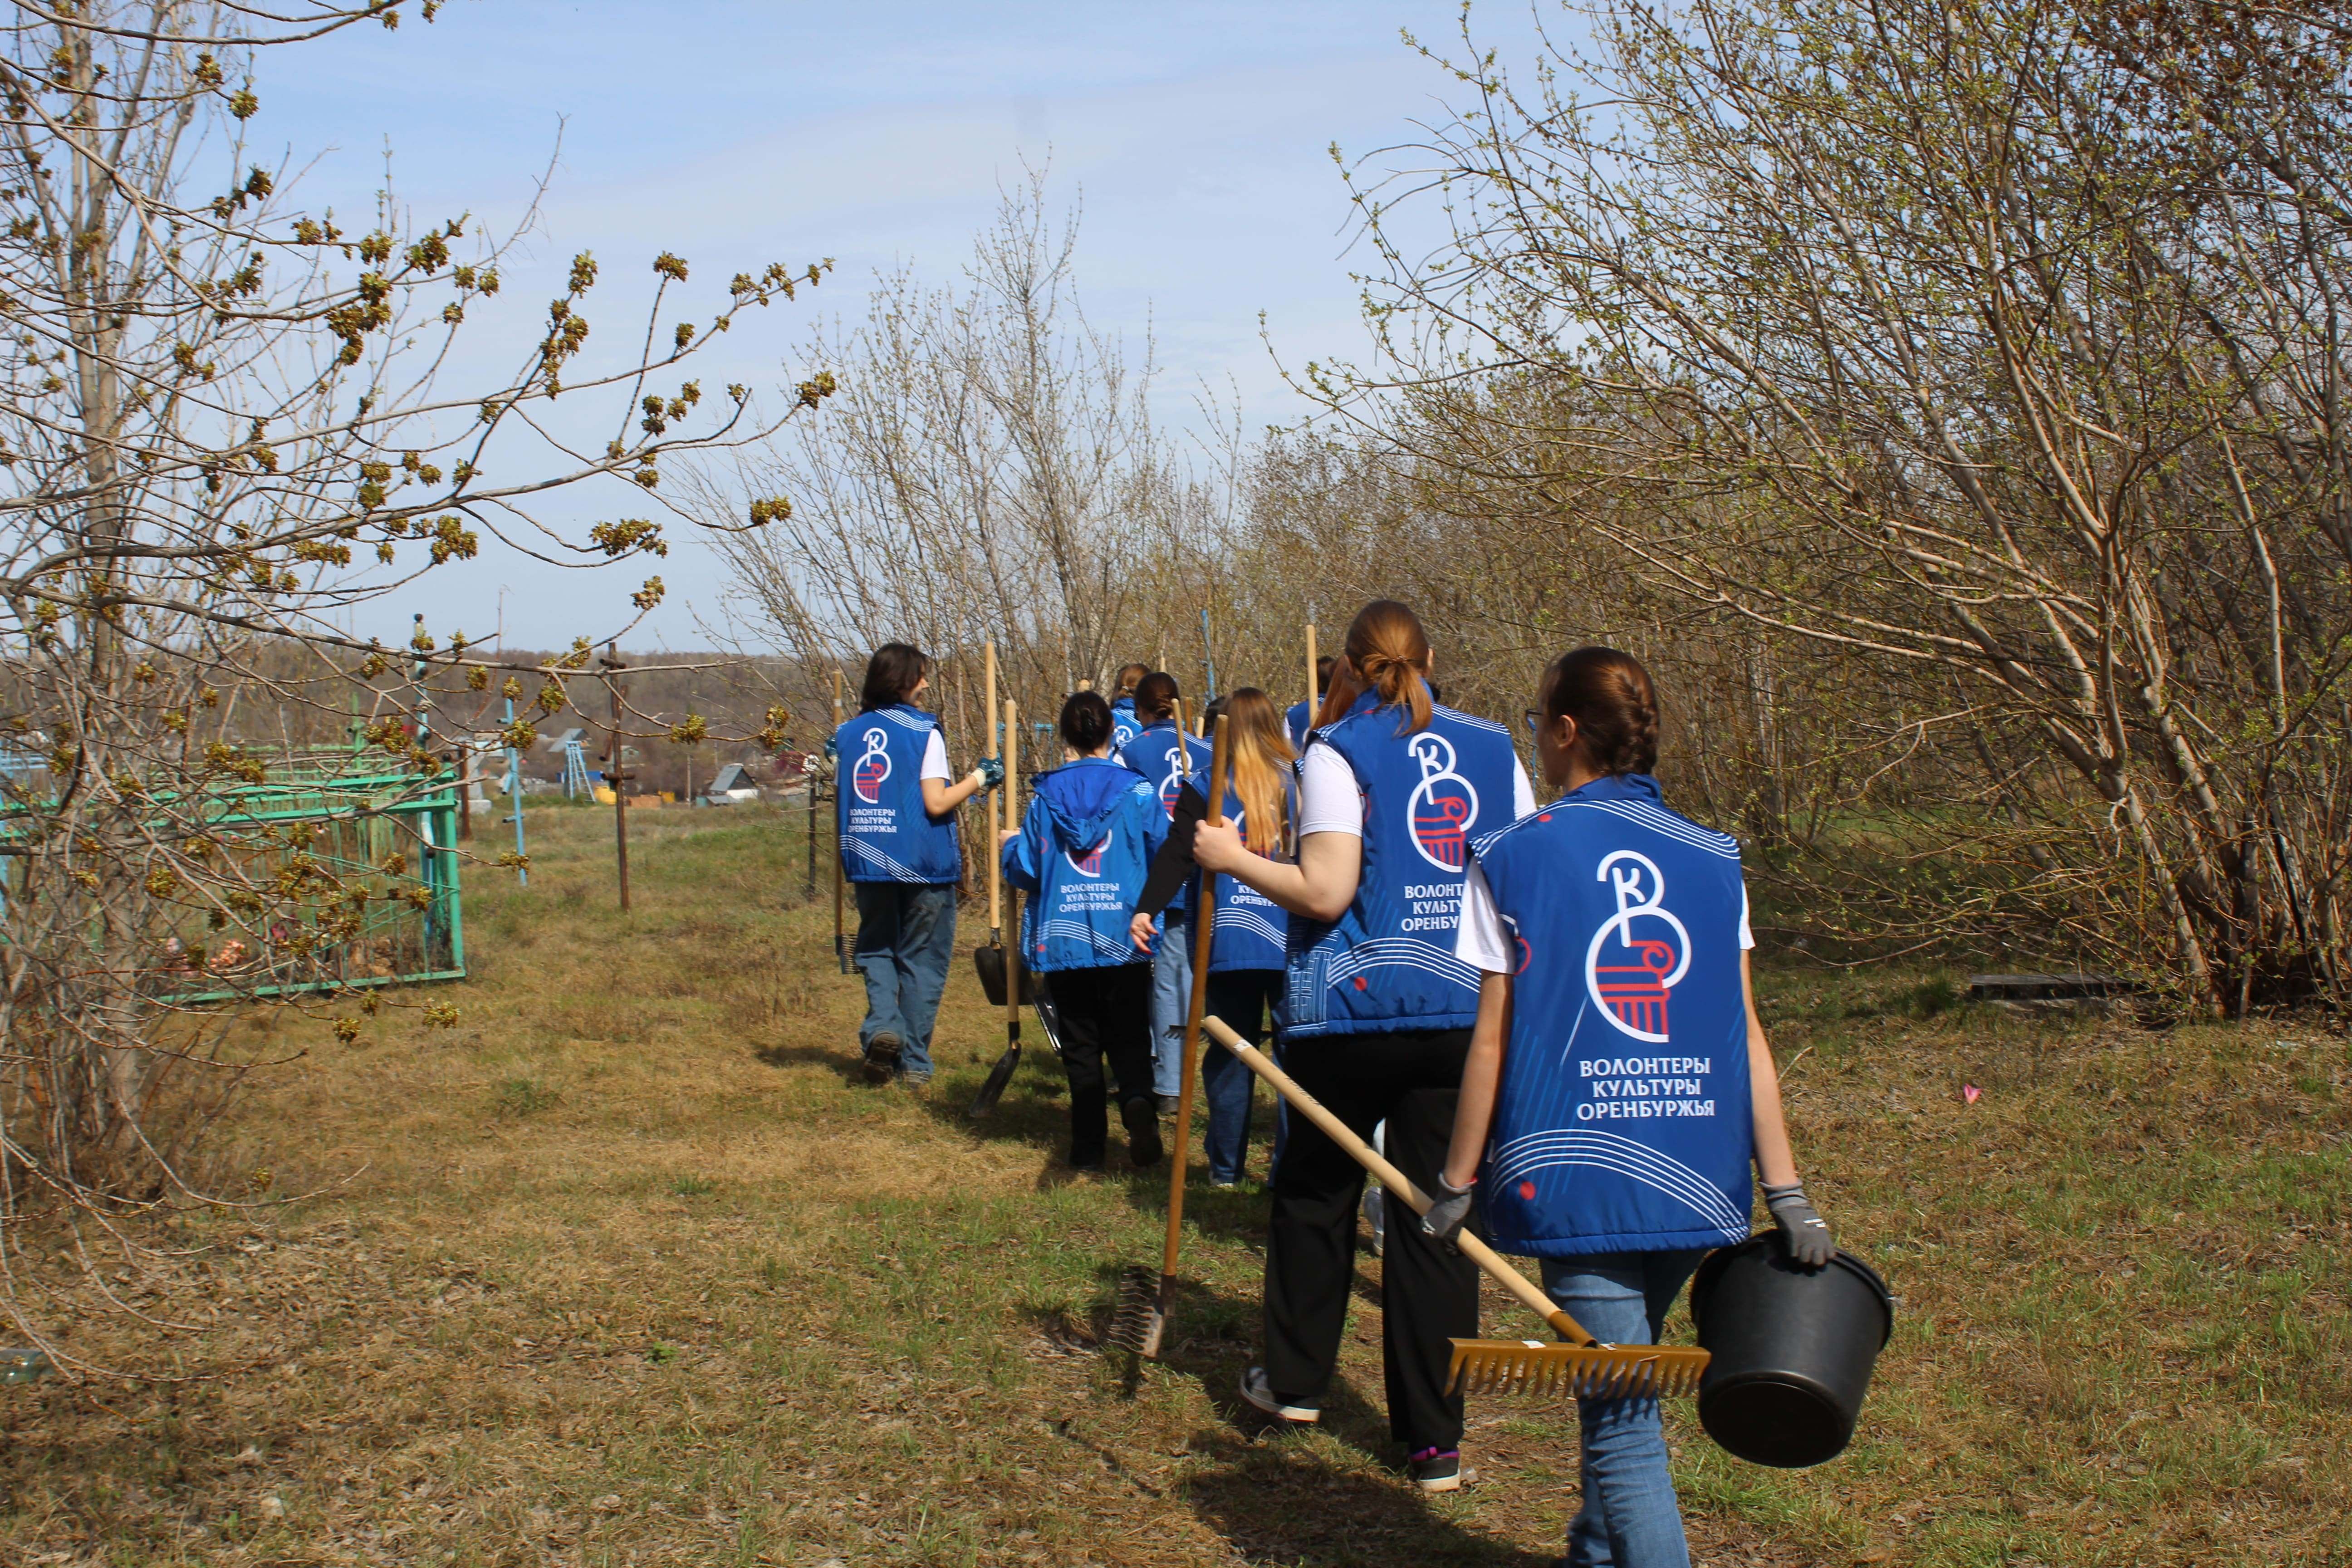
[1746, 937]
[1329, 798]
[1481, 941]
[935, 759]
[1523, 793]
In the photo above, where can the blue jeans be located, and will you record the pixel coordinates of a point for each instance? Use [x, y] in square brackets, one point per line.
[906, 935]
[1171, 998]
[1630, 1518]
[1242, 998]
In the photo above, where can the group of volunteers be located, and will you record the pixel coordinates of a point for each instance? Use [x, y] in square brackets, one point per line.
[1548, 1005]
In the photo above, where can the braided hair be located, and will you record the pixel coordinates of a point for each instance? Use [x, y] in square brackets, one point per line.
[1610, 696]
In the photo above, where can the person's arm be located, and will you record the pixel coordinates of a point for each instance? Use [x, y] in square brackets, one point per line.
[1482, 1076]
[1801, 1225]
[1320, 886]
[940, 797]
[1173, 864]
[1774, 1161]
[1020, 867]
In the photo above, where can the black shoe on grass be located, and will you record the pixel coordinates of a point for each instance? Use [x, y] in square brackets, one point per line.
[1436, 1469]
[1262, 1398]
[882, 1058]
[1142, 1133]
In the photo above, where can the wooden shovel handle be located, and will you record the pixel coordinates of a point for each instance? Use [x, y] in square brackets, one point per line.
[1203, 936]
[1478, 1251]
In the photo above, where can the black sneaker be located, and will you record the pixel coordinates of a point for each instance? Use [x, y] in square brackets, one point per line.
[882, 1058]
[1262, 1398]
[1142, 1133]
[1168, 1103]
[1436, 1469]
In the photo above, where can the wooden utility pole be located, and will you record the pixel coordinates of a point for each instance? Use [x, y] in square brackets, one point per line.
[615, 773]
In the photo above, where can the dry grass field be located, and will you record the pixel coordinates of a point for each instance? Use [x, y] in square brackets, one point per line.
[626, 1270]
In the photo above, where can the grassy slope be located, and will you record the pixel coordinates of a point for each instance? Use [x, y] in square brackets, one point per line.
[625, 1269]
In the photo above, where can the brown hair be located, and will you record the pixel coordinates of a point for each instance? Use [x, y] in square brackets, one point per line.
[1389, 653]
[892, 673]
[1258, 751]
[1085, 722]
[1609, 695]
[1155, 696]
[1129, 674]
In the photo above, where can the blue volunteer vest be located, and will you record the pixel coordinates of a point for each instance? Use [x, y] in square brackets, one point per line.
[1388, 963]
[1621, 1124]
[1124, 725]
[1166, 757]
[1081, 899]
[1296, 722]
[885, 834]
[1249, 930]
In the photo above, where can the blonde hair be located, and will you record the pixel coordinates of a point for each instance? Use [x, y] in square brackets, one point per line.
[1257, 751]
[1388, 653]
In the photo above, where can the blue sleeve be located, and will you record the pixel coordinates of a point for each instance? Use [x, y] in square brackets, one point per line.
[1155, 822]
[1022, 857]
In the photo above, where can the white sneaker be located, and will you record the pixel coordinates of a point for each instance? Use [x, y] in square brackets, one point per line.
[1262, 1398]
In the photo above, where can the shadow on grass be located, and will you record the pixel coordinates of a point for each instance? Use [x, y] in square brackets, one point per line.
[1274, 1504]
[842, 1064]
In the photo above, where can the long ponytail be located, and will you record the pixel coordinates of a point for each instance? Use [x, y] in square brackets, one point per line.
[1258, 750]
[1388, 652]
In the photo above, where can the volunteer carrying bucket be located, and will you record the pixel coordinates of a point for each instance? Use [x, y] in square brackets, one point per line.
[1792, 1349]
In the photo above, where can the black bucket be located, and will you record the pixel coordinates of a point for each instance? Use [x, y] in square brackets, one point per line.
[989, 961]
[1791, 1350]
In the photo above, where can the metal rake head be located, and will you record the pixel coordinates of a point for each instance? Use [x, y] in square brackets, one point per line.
[1136, 1324]
[1582, 1371]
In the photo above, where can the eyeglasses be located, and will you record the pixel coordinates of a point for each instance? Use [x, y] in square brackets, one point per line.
[1535, 721]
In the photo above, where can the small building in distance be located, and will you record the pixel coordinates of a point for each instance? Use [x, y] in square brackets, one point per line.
[733, 786]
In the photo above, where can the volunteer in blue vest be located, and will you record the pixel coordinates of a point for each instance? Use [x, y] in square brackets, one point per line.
[1301, 716]
[1619, 1084]
[1375, 1019]
[899, 851]
[1124, 725]
[1166, 757]
[1248, 931]
[1081, 852]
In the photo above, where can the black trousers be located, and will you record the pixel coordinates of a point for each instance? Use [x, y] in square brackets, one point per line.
[1103, 1013]
[1429, 1293]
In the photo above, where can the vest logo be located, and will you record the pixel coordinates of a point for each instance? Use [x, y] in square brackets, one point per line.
[871, 768]
[1442, 806]
[1090, 863]
[1633, 977]
[1173, 784]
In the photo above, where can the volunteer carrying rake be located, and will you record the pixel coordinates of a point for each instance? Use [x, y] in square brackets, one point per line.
[1375, 1020]
[1618, 1063]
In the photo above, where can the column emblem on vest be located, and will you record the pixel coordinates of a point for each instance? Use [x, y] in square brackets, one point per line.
[1633, 976]
[1173, 784]
[1090, 863]
[872, 768]
[1443, 805]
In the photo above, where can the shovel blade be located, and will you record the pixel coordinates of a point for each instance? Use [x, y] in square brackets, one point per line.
[1582, 1372]
[992, 1090]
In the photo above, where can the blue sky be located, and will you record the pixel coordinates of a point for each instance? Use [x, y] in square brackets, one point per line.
[1196, 131]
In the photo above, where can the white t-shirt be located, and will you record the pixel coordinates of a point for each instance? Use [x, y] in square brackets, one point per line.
[1331, 801]
[935, 759]
[1485, 945]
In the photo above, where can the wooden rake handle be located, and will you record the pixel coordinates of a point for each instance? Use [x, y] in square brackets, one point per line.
[1478, 1252]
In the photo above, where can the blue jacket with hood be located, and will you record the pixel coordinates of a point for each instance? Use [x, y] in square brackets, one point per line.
[1086, 841]
[1124, 725]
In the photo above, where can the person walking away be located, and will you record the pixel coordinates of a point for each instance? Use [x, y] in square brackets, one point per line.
[1166, 757]
[1248, 931]
[1125, 725]
[901, 856]
[1375, 1020]
[1300, 718]
[1081, 851]
[1618, 1157]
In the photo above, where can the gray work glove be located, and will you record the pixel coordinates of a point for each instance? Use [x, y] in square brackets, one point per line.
[1803, 1230]
[992, 772]
[1449, 1212]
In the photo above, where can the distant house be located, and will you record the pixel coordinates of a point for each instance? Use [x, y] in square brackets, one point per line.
[733, 786]
[557, 743]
